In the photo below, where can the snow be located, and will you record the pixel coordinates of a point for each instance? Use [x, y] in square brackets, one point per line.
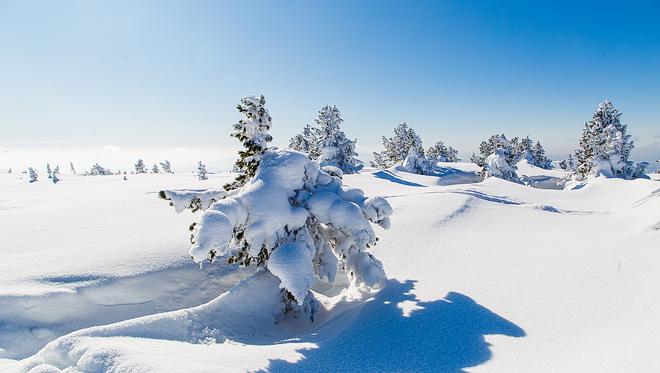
[489, 276]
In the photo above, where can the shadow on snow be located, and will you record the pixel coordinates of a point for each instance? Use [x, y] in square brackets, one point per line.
[387, 175]
[446, 335]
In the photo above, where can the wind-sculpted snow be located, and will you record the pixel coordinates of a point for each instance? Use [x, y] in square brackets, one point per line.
[192, 199]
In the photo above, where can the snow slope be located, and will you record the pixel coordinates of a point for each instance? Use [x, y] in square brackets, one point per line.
[488, 276]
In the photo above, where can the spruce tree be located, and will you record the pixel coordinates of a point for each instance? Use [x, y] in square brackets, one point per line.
[201, 171]
[252, 132]
[33, 175]
[398, 147]
[166, 166]
[306, 142]
[140, 168]
[73, 169]
[155, 169]
[50, 172]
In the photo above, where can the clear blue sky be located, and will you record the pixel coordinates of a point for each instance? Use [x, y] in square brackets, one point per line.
[166, 75]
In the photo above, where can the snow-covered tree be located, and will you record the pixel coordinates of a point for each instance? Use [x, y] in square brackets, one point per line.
[306, 142]
[497, 165]
[155, 169]
[438, 152]
[605, 146]
[252, 132]
[50, 172]
[140, 168]
[201, 171]
[488, 147]
[73, 169]
[295, 222]
[166, 166]
[334, 148]
[525, 150]
[33, 175]
[55, 178]
[98, 170]
[539, 158]
[417, 163]
[568, 164]
[9, 170]
[398, 147]
[56, 170]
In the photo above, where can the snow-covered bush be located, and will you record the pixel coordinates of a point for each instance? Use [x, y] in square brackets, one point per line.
[497, 165]
[605, 147]
[166, 166]
[201, 171]
[397, 148]
[34, 176]
[140, 168]
[417, 163]
[438, 152]
[327, 143]
[293, 220]
[55, 178]
[155, 169]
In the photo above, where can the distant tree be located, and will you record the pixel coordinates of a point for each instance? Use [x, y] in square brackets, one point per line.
[97, 170]
[140, 168]
[50, 172]
[55, 178]
[306, 142]
[56, 171]
[155, 169]
[201, 171]
[489, 146]
[417, 163]
[568, 164]
[398, 147]
[73, 169]
[166, 166]
[497, 165]
[539, 158]
[252, 132]
[9, 170]
[33, 175]
[438, 152]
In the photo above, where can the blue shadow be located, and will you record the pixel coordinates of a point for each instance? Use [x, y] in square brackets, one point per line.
[446, 335]
[387, 175]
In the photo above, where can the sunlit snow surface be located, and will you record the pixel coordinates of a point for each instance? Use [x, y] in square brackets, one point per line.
[490, 276]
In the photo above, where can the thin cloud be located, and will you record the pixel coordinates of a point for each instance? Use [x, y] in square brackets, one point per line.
[111, 148]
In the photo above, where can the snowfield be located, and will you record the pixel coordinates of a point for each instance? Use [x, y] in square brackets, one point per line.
[482, 276]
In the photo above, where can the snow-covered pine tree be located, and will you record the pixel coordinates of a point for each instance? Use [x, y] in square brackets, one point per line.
[489, 146]
[155, 169]
[334, 148]
[252, 132]
[417, 163]
[605, 146]
[33, 175]
[201, 171]
[55, 177]
[568, 164]
[50, 172]
[306, 142]
[9, 170]
[295, 222]
[497, 165]
[73, 169]
[398, 147]
[540, 160]
[166, 166]
[56, 170]
[438, 152]
[525, 150]
[140, 168]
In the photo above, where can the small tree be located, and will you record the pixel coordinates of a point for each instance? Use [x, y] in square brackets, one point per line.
[540, 160]
[9, 170]
[33, 175]
[568, 164]
[166, 166]
[73, 169]
[488, 147]
[155, 169]
[497, 165]
[56, 171]
[55, 178]
[438, 152]
[252, 132]
[334, 148]
[50, 172]
[294, 221]
[306, 142]
[140, 168]
[417, 163]
[398, 147]
[605, 146]
[201, 171]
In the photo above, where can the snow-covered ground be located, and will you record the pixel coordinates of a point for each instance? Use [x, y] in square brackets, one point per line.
[483, 276]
